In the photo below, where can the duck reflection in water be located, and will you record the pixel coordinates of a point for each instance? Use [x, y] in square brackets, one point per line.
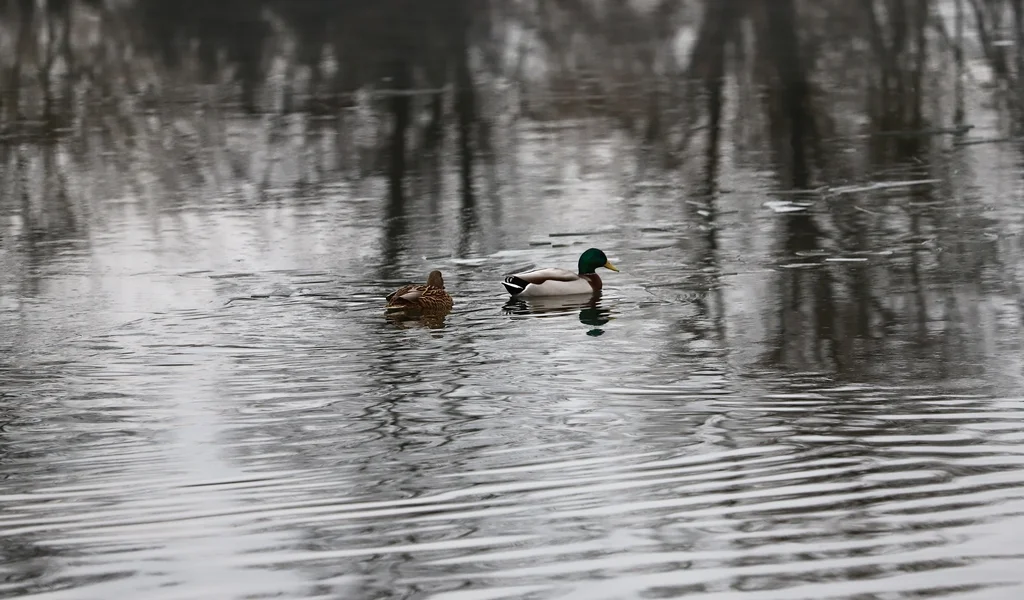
[413, 319]
[591, 312]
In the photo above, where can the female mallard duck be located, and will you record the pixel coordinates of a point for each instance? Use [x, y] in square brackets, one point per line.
[559, 282]
[430, 297]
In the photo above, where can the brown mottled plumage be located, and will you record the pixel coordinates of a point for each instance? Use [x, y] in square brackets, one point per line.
[430, 297]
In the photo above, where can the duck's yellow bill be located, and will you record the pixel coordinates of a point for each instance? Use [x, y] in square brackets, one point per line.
[609, 265]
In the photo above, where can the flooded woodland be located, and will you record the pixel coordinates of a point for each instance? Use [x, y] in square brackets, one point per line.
[803, 383]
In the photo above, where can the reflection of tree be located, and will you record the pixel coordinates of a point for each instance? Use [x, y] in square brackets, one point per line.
[282, 55]
[426, 65]
[403, 89]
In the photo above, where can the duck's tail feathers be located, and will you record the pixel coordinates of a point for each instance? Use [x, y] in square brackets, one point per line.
[514, 285]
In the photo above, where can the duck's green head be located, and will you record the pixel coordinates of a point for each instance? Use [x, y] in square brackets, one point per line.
[593, 259]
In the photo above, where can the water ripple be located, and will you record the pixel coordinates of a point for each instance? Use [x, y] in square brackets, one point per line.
[258, 429]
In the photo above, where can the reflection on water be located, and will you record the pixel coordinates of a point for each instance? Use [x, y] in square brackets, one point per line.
[161, 441]
[804, 383]
[407, 319]
[590, 309]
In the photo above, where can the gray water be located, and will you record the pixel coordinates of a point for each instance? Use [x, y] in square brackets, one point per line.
[200, 396]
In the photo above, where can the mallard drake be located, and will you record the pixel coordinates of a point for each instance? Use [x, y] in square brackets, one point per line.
[560, 282]
[430, 297]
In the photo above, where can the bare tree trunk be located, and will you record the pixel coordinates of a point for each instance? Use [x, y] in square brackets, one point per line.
[25, 11]
[70, 66]
[920, 55]
[720, 23]
[1018, 32]
[791, 109]
[400, 113]
[995, 54]
[465, 108]
[958, 57]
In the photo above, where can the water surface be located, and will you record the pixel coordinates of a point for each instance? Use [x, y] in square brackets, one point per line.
[804, 384]
[204, 400]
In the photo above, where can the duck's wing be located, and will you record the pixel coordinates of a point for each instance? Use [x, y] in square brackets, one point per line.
[541, 275]
[399, 292]
[414, 294]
